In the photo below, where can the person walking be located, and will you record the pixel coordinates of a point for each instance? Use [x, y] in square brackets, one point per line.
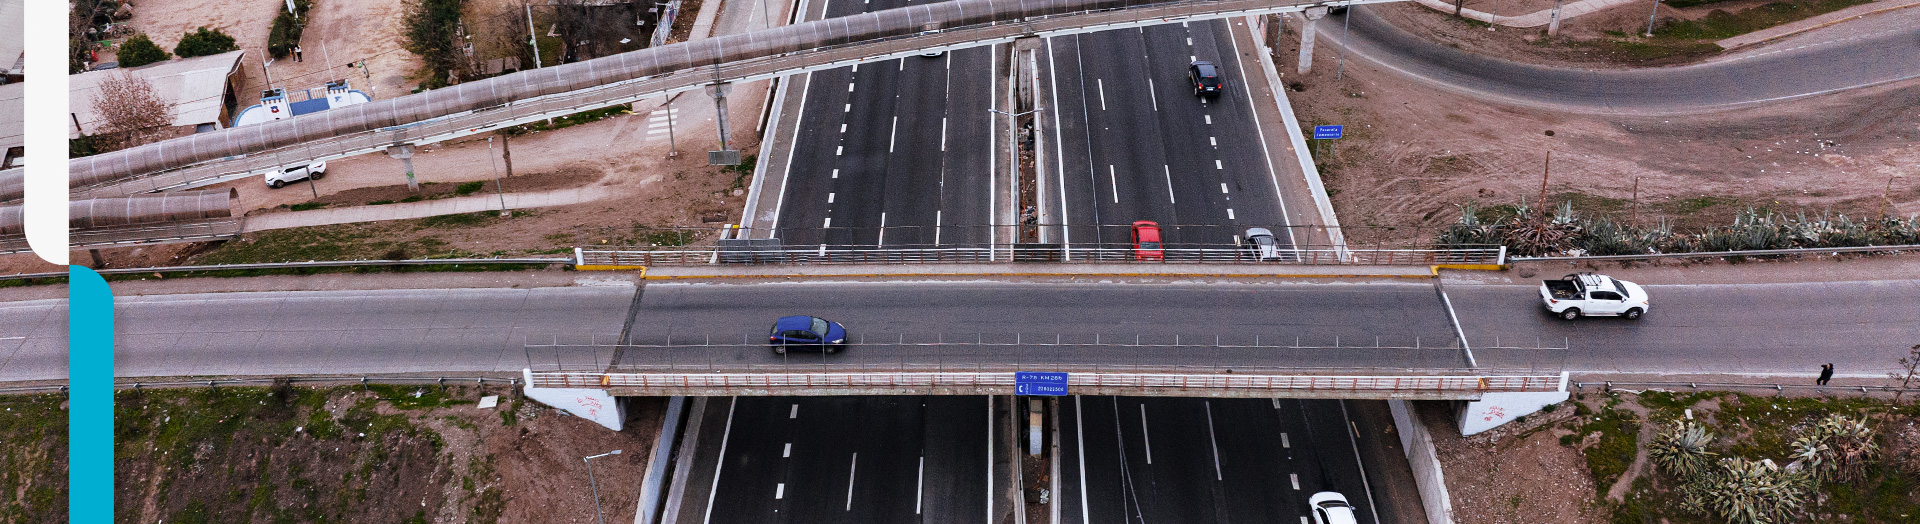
[296, 54]
[1826, 374]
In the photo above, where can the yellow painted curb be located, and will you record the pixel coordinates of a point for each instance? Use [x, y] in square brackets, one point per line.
[592, 267]
[1469, 267]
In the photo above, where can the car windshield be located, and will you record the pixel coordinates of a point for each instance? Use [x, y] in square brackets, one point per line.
[1149, 245]
[820, 326]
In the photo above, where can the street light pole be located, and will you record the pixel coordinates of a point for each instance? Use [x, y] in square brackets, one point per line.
[1650, 17]
[498, 187]
[596, 485]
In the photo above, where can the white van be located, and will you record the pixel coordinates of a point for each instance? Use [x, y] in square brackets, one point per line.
[286, 175]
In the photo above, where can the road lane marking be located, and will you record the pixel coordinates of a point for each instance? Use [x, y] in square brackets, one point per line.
[893, 133]
[1143, 434]
[989, 458]
[1357, 462]
[1223, 190]
[936, 227]
[1303, 519]
[1230, 214]
[843, 128]
[1113, 183]
[724, 435]
[1211, 439]
[1059, 146]
[1212, 141]
[903, 65]
[13, 338]
[837, 150]
[1247, 85]
[1100, 86]
[836, 173]
[848, 109]
[1276, 405]
[851, 468]
[849, 88]
[943, 134]
[1283, 440]
[795, 412]
[856, 68]
[883, 230]
[1295, 477]
[1169, 173]
[780, 491]
[1080, 446]
[1189, 40]
[787, 451]
[921, 486]
[829, 198]
[1154, 94]
[1191, 59]
[1209, 119]
[1217, 165]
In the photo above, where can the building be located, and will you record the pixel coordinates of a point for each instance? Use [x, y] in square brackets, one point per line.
[276, 104]
[200, 88]
[13, 40]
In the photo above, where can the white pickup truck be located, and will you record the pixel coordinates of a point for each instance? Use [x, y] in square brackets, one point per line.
[1588, 294]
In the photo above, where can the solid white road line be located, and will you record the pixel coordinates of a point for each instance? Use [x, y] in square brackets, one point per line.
[724, 435]
[921, 487]
[989, 458]
[1113, 183]
[787, 451]
[943, 134]
[1154, 94]
[1143, 433]
[781, 202]
[829, 198]
[993, 161]
[1357, 462]
[1247, 87]
[795, 412]
[1101, 86]
[851, 468]
[1080, 446]
[779, 491]
[892, 133]
[1169, 173]
[1059, 146]
[1211, 439]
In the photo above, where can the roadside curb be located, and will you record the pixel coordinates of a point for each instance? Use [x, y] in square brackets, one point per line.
[1329, 220]
[1723, 43]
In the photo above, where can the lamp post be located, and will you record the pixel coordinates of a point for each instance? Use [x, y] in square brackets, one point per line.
[596, 486]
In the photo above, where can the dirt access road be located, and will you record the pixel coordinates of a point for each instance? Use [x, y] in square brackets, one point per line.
[1414, 153]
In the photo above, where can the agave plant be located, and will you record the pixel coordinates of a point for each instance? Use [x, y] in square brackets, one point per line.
[1755, 492]
[1682, 451]
[1838, 445]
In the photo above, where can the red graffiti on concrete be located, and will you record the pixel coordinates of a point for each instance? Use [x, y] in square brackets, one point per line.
[1493, 412]
[591, 405]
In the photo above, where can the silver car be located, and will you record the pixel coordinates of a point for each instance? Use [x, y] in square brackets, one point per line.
[1262, 245]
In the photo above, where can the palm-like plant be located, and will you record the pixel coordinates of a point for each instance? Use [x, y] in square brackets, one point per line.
[1754, 492]
[1838, 445]
[1682, 451]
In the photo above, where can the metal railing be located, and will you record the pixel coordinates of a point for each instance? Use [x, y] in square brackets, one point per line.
[257, 381]
[1746, 253]
[768, 382]
[1034, 253]
[162, 233]
[306, 265]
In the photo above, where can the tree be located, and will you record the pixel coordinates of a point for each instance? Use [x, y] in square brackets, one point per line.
[130, 113]
[430, 29]
[1909, 372]
[139, 51]
[204, 42]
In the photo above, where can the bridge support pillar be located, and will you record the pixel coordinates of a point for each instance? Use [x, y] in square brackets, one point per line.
[726, 156]
[404, 152]
[1312, 16]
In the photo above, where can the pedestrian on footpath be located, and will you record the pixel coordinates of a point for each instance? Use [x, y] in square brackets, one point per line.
[296, 54]
[1826, 374]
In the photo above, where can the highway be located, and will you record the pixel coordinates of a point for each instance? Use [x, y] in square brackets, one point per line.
[1745, 329]
[1881, 56]
[846, 459]
[902, 144]
[1132, 142]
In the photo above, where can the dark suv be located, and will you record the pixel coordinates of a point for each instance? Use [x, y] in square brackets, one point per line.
[805, 332]
[1205, 78]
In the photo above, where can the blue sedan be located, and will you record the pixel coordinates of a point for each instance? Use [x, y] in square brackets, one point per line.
[801, 332]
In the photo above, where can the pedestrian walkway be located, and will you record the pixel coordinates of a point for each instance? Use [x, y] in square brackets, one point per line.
[1533, 19]
[447, 206]
[1793, 28]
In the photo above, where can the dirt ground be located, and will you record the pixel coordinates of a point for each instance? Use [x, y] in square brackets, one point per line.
[338, 32]
[1608, 38]
[1518, 473]
[1414, 153]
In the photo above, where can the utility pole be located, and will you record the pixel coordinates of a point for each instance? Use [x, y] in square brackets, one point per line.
[531, 39]
[1636, 202]
[498, 187]
[506, 150]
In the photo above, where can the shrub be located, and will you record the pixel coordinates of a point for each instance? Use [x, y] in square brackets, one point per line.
[140, 50]
[286, 30]
[204, 42]
[1682, 451]
[467, 188]
[430, 28]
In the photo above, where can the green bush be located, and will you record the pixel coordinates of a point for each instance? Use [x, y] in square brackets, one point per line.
[204, 42]
[1751, 230]
[286, 30]
[467, 188]
[140, 50]
[430, 28]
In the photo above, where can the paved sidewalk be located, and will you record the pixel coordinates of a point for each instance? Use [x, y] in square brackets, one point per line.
[448, 206]
[1793, 28]
[1533, 19]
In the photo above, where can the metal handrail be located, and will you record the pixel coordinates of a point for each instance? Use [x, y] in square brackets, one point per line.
[1746, 253]
[307, 264]
[1016, 252]
[763, 381]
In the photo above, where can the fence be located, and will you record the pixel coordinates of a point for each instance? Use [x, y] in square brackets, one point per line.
[1746, 253]
[1223, 254]
[306, 265]
[1458, 387]
[210, 383]
[195, 231]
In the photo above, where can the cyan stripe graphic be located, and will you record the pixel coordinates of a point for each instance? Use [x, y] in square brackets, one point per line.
[90, 398]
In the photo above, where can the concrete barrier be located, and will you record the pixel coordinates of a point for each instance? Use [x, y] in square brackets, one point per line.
[1427, 477]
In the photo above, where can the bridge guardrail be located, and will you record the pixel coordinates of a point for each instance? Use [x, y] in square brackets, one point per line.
[815, 381]
[616, 259]
[302, 265]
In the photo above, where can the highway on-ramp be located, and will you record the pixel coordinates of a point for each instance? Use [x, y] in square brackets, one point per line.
[1884, 55]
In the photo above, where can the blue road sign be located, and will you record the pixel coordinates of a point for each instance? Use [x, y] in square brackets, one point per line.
[1326, 132]
[1039, 383]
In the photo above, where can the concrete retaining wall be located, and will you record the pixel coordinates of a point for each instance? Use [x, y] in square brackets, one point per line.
[1418, 443]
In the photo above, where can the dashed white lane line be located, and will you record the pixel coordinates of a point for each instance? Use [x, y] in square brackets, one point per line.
[1209, 119]
[1191, 59]
[1213, 440]
[1169, 172]
[849, 87]
[779, 491]
[837, 150]
[1144, 439]
[795, 412]
[1154, 94]
[943, 134]
[1217, 165]
[787, 452]
[1230, 213]
[921, 485]
[836, 173]
[1113, 183]
[1101, 87]
[1303, 519]
[1212, 141]
[1295, 477]
[826, 223]
[903, 64]
[1189, 40]
[1223, 188]
[829, 198]
[1284, 442]
[893, 133]
[843, 128]
[848, 109]
[851, 468]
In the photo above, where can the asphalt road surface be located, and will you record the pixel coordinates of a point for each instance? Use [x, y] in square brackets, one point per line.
[1749, 329]
[845, 459]
[1142, 460]
[901, 145]
[1881, 57]
[1133, 142]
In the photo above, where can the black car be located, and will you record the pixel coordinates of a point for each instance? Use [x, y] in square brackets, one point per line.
[1205, 78]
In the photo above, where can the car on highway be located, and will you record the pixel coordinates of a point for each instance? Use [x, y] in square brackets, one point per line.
[286, 175]
[1205, 78]
[1261, 245]
[1331, 508]
[806, 332]
[1146, 241]
[1587, 294]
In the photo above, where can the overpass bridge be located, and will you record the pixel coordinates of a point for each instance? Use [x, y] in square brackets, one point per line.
[395, 125]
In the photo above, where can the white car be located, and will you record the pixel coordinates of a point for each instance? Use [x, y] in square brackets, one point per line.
[1262, 245]
[1331, 508]
[285, 175]
[1587, 294]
